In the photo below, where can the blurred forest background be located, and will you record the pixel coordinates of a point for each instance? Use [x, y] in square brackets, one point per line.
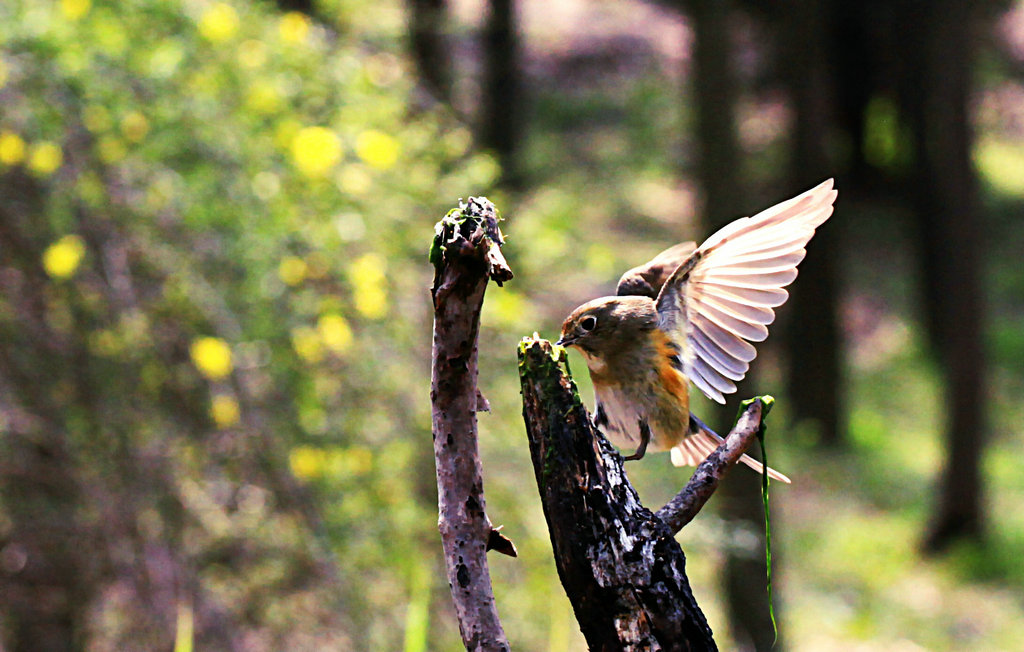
[215, 325]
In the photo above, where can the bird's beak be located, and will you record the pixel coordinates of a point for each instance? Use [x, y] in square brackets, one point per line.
[565, 340]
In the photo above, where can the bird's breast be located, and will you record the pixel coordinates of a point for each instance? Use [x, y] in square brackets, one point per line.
[655, 392]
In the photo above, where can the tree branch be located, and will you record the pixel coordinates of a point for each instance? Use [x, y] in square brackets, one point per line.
[680, 510]
[465, 254]
[621, 568]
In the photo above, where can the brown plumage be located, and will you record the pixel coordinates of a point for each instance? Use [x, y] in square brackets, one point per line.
[688, 316]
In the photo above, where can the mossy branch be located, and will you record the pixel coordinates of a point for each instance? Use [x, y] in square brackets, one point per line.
[621, 567]
[466, 254]
[687, 503]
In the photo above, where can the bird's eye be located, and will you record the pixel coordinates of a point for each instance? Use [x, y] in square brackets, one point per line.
[587, 324]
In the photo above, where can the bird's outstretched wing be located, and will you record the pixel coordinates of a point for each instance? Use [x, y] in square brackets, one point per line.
[648, 279]
[721, 298]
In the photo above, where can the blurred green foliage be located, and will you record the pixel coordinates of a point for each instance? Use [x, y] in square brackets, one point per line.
[214, 341]
[225, 214]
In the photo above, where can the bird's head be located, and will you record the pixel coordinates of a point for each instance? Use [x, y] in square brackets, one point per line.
[609, 324]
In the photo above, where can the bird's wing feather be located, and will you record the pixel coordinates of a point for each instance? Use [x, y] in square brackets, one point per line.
[722, 297]
[697, 446]
[648, 279]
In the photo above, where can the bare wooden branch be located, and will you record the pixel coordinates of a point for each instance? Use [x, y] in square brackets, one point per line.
[684, 506]
[465, 254]
[621, 567]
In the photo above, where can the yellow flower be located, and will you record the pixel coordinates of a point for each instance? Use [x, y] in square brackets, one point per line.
[62, 258]
[212, 357]
[75, 9]
[292, 270]
[294, 27]
[306, 462]
[12, 148]
[134, 126]
[45, 158]
[369, 285]
[218, 23]
[335, 332]
[377, 148]
[315, 150]
[307, 344]
[224, 410]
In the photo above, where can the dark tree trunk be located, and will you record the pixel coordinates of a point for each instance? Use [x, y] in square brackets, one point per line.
[945, 199]
[48, 557]
[501, 123]
[48, 569]
[307, 7]
[813, 333]
[428, 20]
[621, 566]
[716, 94]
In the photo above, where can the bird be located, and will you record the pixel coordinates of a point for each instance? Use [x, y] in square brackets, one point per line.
[689, 316]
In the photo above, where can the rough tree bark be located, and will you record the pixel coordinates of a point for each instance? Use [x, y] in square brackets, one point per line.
[620, 565]
[465, 254]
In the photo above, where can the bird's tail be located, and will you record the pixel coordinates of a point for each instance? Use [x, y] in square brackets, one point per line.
[697, 446]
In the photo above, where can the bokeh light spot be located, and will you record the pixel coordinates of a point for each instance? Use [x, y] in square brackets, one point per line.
[62, 258]
[212, 357]
[369, 286]
[335, 332]
[252, 53]
[218, 23]
[306, 462]
[294, 27]
[224, 411]
[315, 150]
[45, 158]
[306, 342]
[134, 126]
[75, 9]
[12, 148]
[378, 149]
[292, 270]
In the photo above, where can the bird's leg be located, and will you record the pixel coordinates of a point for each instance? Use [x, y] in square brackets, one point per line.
[645, 438]
[600, 418]
[696, 425]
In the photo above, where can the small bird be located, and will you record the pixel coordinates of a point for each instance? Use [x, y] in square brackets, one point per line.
[688, 316]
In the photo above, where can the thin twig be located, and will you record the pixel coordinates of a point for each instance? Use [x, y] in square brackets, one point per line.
[687, 503]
